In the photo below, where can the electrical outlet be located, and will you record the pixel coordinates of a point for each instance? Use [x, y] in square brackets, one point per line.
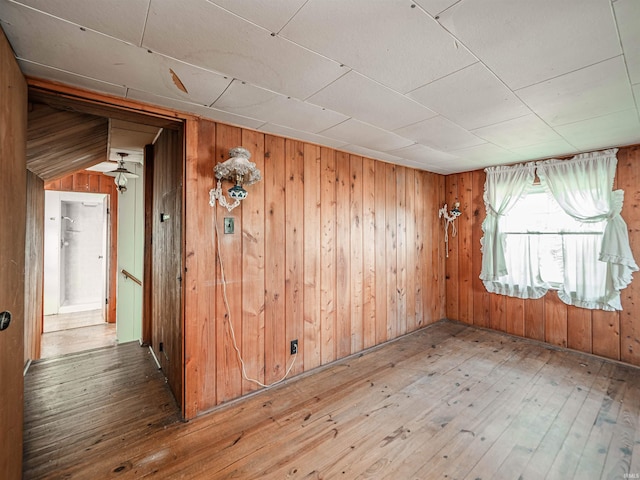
[294, 346]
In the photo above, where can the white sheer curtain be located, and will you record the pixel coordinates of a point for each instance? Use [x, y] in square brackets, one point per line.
[504, 186]
[595, 269]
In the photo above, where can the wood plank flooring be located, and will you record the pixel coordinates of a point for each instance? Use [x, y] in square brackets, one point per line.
[446, 402]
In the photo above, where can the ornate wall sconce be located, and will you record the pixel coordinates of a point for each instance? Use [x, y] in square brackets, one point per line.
[238, 170]
[449, 219]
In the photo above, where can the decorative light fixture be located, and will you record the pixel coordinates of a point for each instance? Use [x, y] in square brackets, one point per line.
[449, 218]
[121, 174]
[239, 170]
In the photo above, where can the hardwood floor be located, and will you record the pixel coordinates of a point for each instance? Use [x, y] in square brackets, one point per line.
[448, 401]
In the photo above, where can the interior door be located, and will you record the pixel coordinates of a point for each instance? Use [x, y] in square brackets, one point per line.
[13, 207]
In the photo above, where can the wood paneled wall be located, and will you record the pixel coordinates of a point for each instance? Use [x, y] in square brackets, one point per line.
[335, 250]
[13, 200]
[94, 182]
[614, 335]
[34, 268]
[166, 258]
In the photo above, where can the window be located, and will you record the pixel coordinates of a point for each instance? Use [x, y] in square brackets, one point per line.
[538, 219]
[566, 233]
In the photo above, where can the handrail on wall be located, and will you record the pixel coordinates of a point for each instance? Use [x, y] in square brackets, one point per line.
[131, 276]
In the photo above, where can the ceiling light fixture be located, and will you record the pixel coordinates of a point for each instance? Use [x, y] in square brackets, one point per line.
[121, 174]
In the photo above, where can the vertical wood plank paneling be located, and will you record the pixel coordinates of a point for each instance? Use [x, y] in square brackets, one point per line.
[410, 249]
[34, 268]
[498, 312]
[200, 276]
[229, 378]
[380, 242]
[440, 310]
[451, 262]
[430, 280]
[328, 255]
[465, 247]
[294, 249]
[606, 334]
[13, 138]
[481, 300]
[628, 179]
[391, 249]
[357, 261]
[369, 251]
[514, 316]
[312, 252]
[579, 329]
[343, 256]
[274, 186]
[555, 315]
[401, 249]
[253, 274]
[419, 248]
[534, 314]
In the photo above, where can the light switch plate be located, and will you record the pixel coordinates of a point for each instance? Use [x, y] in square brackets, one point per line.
[228, 225]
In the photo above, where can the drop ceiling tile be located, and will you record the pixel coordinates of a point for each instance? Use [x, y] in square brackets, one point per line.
[255, 102]
[359, 97]
[587, 93]
[628, 19]
[615, 129]
[424, 154]
[269, 14]
[440, 134]
[42, 71]
[359, 133]
[472, 97]
[519, 132]
[194, 109]
[203, 34]
[487, 154]
[123, 19]
[528, 42]
[541, 151]
[300, 135]
[120, 63]
[385, 40]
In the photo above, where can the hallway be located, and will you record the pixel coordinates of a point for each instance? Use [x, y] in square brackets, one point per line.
[76, 332]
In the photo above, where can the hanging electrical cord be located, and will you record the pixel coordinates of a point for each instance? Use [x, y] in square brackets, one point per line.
[228, 310]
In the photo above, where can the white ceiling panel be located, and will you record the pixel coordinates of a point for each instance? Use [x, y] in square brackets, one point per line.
[386, 40]
[435, 7]
[251, 101]
[206, 35]
[441, 134]
[519, 132]
[365, 135]
[123, 19]
[526, 42]
[42, 71]
[269, 14]
[558, 148]
[300, 135]
[487, 154]
[628, 17]
[424, 154]
[590, 92]
[472, 97]
[119, 62]
[616, 129]
[202, 111]
[366, 152]
[366, 100]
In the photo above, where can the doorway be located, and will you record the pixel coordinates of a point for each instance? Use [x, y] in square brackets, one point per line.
[76, 241]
